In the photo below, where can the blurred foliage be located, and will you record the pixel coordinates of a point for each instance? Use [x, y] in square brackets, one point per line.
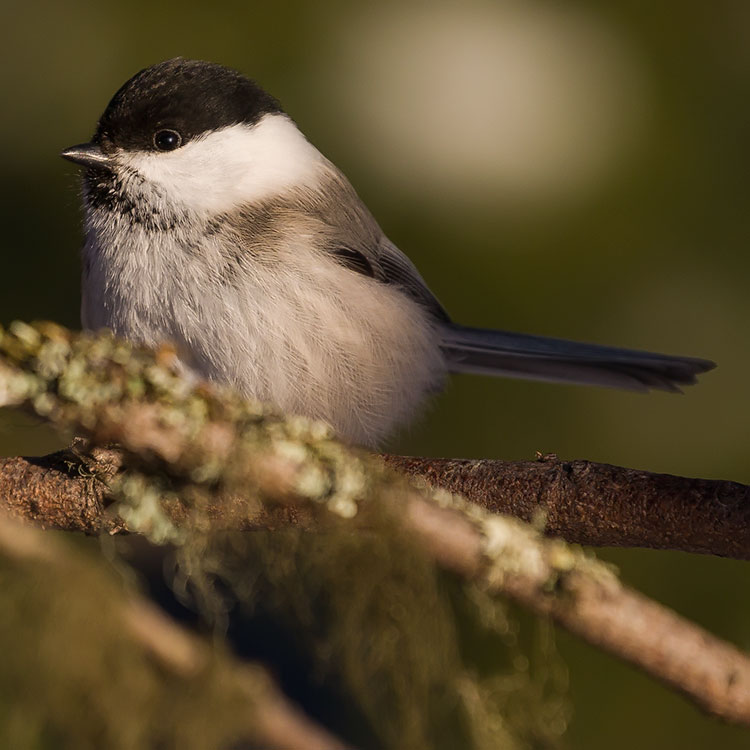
[71, 676]
[380, 645]
[653, 254]
[372, 651]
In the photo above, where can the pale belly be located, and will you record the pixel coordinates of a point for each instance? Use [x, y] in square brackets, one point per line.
[321, 342]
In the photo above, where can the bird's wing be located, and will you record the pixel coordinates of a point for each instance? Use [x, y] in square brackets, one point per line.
[384, 262]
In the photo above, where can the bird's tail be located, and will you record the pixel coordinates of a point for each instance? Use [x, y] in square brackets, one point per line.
[518, 355]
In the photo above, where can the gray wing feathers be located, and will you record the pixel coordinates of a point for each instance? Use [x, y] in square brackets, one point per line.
[557, 360]
[396, 268]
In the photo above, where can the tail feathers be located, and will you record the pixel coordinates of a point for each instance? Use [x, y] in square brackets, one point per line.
[519, 355]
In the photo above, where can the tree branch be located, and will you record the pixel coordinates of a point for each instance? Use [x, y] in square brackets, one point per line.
[209, 443]
[583, 502]
[594, 605]
[70, 490]
[60, 491]
[599, 504]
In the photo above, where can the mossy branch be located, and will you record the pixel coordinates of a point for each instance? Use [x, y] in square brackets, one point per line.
[214, 448]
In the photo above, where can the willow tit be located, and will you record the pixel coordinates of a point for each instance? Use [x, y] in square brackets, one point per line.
[212, 222]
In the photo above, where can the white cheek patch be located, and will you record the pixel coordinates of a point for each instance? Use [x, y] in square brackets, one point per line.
[235, 165]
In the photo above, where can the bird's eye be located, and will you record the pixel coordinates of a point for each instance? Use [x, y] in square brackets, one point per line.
[167, 140]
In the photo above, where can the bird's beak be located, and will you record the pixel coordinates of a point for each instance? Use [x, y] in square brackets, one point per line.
[87, 155]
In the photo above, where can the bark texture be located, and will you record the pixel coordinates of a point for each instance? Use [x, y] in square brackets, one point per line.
[583, 502]
[599, 504]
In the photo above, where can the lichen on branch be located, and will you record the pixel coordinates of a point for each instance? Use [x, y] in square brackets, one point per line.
[375, 613]
[197, 448]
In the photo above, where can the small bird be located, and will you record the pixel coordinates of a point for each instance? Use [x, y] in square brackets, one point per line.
[212, 222]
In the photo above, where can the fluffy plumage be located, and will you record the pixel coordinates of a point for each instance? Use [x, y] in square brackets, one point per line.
[254, 255]
[253, 291]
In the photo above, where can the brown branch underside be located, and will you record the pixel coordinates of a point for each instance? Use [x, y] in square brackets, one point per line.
[584, 502]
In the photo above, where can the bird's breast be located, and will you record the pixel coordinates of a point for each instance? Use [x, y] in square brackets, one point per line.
[292, 328]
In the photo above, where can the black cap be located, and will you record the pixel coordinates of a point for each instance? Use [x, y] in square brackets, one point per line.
[190, 97]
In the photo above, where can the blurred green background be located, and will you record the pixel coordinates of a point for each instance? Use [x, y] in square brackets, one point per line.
[558, 168]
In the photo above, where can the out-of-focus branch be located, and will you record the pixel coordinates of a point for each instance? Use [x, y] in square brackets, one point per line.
[271, 718]
[583, 597]
[210, 443]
